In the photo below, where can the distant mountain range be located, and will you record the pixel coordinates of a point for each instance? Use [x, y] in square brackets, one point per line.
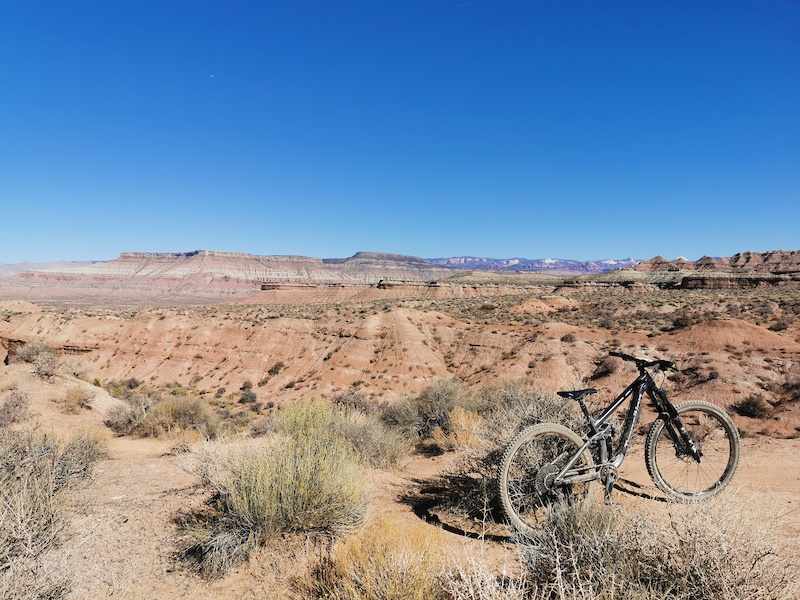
[557, 266]
[211, 276]
[540, 265]
[8, 270]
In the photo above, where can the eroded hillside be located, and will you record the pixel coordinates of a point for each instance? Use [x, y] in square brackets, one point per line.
[730, 345]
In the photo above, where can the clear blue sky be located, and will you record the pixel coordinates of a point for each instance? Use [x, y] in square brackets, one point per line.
[572, 129]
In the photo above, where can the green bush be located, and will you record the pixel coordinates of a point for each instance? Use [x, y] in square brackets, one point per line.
[373, 443]
[305, 485]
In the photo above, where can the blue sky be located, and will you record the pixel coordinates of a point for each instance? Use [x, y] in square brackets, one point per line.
[579, 129]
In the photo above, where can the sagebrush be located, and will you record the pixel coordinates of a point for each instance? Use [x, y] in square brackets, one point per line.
[306, 485]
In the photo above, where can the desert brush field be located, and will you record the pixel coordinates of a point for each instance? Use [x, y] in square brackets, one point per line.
[310, 444]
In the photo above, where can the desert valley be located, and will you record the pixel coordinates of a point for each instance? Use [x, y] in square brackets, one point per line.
[244, 340]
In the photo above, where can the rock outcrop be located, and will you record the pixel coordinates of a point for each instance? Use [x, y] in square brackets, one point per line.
[741, 271]
[776, 262]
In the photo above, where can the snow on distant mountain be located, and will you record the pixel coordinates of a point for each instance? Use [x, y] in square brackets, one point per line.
[539, 265]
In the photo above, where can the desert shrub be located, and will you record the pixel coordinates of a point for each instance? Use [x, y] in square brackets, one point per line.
[568, 338]
[121, 420]
[247, 396]
[779, 326]
[36, 471]
[696, 551]
[46, 365]
[302, 485]
[753, 406]
[402, 415]
[429, 411]
[465, 431]
[604, 367]
[75, 400]
[153, 415]
[382, 561]
[276, 368]
[30, 351]
[180, 413]
[41, 356]
[14, 409]
[355, 399]
[469, 486]
[514, 405]
[476, 580]
[373, 443]
[435, 403]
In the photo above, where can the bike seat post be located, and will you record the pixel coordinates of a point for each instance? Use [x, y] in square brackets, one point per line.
[585, 410]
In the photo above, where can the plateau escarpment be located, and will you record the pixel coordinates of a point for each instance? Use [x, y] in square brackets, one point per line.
[206, 276]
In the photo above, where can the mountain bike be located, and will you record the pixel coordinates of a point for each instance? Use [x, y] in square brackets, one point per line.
[691, 451]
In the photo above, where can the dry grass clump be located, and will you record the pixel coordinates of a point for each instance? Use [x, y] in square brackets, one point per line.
[383, 561]
[477, 581]
[305, 485]
[75, 400]
[695, 552]
[14, 409]
[372, 442]
[36, 471]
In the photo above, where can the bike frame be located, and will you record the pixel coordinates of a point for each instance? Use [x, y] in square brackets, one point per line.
[601, 432]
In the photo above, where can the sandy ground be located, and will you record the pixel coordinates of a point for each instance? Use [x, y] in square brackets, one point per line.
[124, 541]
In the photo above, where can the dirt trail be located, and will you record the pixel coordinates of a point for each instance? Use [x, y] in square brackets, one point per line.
[125, 543]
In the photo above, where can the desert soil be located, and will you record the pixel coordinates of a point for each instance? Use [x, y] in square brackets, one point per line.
[123, 541]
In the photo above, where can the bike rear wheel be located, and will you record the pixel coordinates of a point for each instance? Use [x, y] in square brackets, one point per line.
[675, 472]
[530, 463]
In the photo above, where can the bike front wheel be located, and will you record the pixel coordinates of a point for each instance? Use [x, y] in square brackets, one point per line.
[675, 471]
[530, 464]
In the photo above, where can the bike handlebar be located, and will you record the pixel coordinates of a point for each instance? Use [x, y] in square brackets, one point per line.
[642, 364]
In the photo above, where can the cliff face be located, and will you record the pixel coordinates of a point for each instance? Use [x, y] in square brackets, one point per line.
[776, 262]
[743, 270]
[206, 276]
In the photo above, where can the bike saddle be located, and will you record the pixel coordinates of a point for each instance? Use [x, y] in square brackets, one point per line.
[577, 394]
